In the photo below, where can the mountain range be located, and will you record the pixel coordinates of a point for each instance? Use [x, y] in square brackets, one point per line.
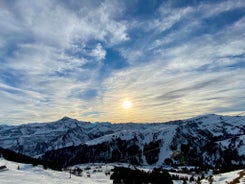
[207, 140]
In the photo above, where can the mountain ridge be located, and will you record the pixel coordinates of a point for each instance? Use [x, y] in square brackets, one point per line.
[207, 139]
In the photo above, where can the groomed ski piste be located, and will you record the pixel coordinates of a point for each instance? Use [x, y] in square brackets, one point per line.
[17, 173]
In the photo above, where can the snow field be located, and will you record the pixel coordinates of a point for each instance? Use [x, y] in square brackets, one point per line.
[28, 174]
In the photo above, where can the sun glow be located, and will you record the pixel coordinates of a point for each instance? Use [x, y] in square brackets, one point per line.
[127, 104]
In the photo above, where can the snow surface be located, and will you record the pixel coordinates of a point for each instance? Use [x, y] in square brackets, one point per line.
[225, 178]
[28, 174]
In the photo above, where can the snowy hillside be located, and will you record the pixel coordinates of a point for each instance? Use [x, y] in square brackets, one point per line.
[209, 140]
[229, 177]
[37, 138]
[92, 174]
[212, 140]
[28, 174]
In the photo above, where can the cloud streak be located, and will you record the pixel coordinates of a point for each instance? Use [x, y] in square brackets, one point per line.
[82, 59]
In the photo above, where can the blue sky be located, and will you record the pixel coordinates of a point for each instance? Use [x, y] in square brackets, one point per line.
[172, 59]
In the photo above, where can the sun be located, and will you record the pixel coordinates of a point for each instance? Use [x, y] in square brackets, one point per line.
[127, 104]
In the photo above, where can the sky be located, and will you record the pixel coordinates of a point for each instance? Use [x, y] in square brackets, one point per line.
[172, 59]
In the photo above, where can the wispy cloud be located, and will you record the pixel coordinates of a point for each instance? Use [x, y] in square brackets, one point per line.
[99, 53]
[82, 59]
[43, 47]
[185, 70]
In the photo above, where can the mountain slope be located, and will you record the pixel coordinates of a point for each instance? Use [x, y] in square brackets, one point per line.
[212, 140]
[28, 174]
[37, 138]
[209, 140]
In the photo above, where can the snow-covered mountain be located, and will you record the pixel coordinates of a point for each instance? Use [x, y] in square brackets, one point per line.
[37, 138]
[209, 140]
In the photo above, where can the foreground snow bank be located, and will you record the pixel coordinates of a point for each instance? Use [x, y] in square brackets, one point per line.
[28, 174]
[17, 173]
[226, 178]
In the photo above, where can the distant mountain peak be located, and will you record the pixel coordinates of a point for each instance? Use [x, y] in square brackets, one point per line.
[66, 118]
[205, 116]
